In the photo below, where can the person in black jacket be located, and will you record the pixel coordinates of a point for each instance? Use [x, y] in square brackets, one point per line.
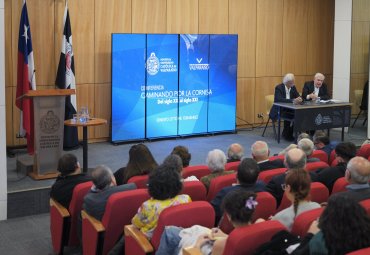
[286, 92]
[261, 153]
[315, 89]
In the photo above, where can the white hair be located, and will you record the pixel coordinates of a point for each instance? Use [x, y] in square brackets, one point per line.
[216, 160]
[288, 77]
[260, 149]
[319, 75]
[306, 145]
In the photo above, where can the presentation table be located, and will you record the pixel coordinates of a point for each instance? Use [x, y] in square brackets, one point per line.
[315, 116]
[90, 122]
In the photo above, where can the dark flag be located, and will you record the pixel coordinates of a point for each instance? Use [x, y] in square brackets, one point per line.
[26, 80]
[66, 80]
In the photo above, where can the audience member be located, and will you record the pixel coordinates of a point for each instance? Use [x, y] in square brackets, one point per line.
[343, 227]
[316, 89]
[235, 152]
[216, 161]
[183, 153]
[104, 186]
[239, 206]
[322, 142]
[70, 176]
[286, 92]
[294, 159]
[306, 145]
[358, 177]
[261, 153]
[297, 189]
[344, 152]
[141, 162]
[174, 162]
[164, 187]
[293, 145]
[246, 179]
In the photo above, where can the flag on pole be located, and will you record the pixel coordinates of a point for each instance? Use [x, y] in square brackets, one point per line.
[26, 79]
[66, 80]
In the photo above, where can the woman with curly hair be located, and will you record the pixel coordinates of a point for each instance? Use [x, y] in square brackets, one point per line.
[343, 227]
[164, 186]
[297, 189]
[141, 162]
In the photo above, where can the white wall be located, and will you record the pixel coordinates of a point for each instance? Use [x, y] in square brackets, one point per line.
[3, 171]
[342, 49]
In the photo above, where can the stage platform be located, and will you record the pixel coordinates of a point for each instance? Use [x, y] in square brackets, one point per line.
[27, 196]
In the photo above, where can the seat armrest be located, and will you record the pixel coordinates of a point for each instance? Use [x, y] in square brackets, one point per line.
[61, 209]
[191, 251]
[139, 237]
[98, 226]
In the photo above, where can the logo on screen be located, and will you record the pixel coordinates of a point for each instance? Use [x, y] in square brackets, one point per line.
[152, 64]
[199, 65]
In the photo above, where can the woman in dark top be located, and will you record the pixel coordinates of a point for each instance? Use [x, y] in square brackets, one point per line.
[141, 162]
[70, 176]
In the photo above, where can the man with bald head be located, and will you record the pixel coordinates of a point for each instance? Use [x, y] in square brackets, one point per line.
[315, 89]
[358, 177]
[294, 159]
[261, 153]
[235, 152]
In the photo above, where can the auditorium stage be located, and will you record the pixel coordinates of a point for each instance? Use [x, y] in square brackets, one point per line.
[27, 196]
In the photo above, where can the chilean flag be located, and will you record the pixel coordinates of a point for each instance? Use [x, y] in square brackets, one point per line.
[26, 79]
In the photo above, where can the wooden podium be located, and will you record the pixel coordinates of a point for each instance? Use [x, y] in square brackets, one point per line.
[49, 108]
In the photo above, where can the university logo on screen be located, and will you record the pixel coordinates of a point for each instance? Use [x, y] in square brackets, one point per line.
[164, 65]
[199, 66]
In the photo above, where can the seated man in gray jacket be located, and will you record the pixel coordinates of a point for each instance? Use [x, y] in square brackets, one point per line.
[104, 186]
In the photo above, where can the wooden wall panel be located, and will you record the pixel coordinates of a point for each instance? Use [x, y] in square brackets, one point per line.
[269, 38]
[182, 16]
[360, 10]
[360, 47]
[148, 16]
[213, 16]
[8, 44]
[320, 37]
[295, 37]
[357, 82]
[102, 108]
[59, 7]
[86, 97]
[112, 16]
[243, 21]
[245, 100]
[82, 22]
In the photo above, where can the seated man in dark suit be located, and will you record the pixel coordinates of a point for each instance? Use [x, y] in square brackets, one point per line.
[286, 92]
[246, 178]
[261, 153]
[344, 153]
[358, 177]
[294, 159]
[312, 90]
[70, 176]
[104, 186]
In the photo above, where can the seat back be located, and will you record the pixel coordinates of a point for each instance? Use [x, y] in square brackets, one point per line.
[364, 151]
[267, 175]
[320, 154]
[245, 240]
[120, 209]
[59, 219]
[366, 204]
[364, 251]
[200, 212]
[232, 166]
[198, 171]
[195, 189]
[218, 183]
[331, 157]
[140, 181]
[75, 207]
[313, 166]
[339, 185]
[281, 157]
[303, 221]
[319, 193]
[334, 162]
[269, 101]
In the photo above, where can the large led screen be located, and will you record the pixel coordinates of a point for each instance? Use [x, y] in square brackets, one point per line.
[172, 85]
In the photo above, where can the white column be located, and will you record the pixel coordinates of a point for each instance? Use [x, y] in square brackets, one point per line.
[342, 49]
[3, 171]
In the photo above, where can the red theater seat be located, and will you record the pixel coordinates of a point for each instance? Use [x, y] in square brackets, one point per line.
[267, 175]
[320, 155]
[232, 166]
[316, 165]
[140, 181]
[303, 221]
[339, 185]
[366, 204]
[364, 151]
[364, 251]
[198, 171]
[218, 183]
[195, 189]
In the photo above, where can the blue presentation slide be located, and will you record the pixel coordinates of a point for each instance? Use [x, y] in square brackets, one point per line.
[222, 82]
[128, 81]
[162, 85]
[193, 84]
